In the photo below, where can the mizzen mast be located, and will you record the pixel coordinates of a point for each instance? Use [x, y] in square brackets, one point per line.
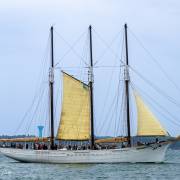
[51, 84]
[91, 80]
[127, 87]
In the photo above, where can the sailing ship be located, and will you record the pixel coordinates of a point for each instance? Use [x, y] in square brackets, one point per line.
[77, 124]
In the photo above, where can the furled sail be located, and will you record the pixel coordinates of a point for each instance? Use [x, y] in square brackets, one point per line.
[148, 124]
[112, 140]
[26, 139]
[75, 115]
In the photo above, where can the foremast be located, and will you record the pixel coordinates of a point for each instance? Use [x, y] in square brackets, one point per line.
[51, 86]
[91, 81]
[127, 87]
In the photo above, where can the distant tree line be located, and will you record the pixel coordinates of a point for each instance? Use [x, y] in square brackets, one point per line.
[15, 136]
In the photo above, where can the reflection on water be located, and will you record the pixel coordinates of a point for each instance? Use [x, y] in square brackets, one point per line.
[10, 169]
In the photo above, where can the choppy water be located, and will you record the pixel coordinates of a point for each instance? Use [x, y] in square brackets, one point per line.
[12, 170]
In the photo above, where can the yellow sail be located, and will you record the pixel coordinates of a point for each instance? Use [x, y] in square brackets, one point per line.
[148, 124]
[75, 115]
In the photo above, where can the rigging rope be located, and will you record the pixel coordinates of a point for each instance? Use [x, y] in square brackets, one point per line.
[44, 63]
[35, 111]
[71, 47]
[155, 60]
[107, 46]
[172, 100]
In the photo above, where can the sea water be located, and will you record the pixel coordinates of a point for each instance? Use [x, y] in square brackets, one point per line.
[170, 169]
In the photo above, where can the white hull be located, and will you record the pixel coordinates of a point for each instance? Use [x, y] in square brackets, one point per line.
[155, 153]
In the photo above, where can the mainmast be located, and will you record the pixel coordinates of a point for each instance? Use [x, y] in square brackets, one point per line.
[127, 87]
[51, 84]
[91, 80]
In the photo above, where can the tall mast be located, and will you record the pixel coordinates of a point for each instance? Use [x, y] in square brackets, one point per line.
[127, 87]
[51, 84]
[91, 87]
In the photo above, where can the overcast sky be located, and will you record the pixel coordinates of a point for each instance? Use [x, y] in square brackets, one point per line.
[24, 31]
